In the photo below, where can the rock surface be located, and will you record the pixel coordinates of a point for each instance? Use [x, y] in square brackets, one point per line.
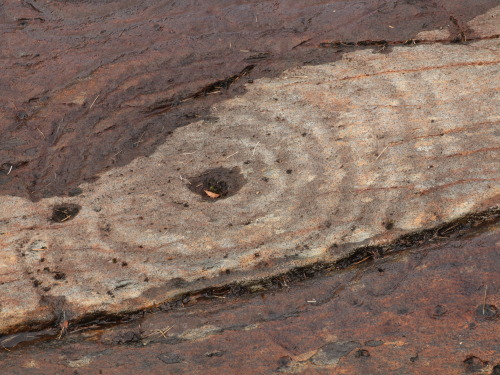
[432, 310]
[316, 143]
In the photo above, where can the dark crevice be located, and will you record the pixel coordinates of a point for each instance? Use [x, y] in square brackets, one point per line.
[409, 42]
[165, 105]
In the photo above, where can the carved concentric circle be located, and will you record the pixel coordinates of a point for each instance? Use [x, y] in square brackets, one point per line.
[308, 165]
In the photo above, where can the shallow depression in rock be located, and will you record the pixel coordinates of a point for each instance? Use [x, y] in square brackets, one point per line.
[217, 183]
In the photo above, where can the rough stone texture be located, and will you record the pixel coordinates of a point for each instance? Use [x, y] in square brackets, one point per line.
[331, 149]
[420, 312]
[91, 70]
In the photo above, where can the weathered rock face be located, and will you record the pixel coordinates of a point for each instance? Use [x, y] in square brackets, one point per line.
[429, 310]
[82, 80]
[357, 147]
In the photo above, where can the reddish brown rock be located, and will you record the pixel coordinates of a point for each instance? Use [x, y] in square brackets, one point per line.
[431, 310]
[320, 137]
[80, 79]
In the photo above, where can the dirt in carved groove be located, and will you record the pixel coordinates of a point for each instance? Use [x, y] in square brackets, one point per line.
[217, 183]
[135, 74]
[64, 212]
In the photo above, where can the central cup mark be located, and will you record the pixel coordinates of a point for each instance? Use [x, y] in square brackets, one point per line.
[217, 183]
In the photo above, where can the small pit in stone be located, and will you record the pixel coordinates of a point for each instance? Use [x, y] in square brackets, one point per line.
[217, 183]
[64, 212]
